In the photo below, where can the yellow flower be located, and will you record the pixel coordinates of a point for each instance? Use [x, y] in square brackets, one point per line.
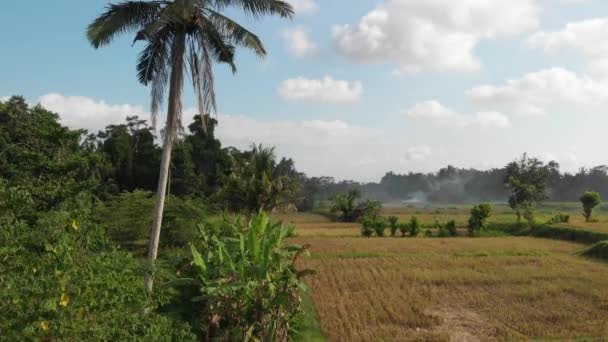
[44, 325]
[75, 224]
[64, 300]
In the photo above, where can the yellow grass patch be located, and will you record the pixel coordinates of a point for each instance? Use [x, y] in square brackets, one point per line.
[401, 289]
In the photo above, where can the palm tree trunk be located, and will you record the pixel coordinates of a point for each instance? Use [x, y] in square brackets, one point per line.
[173, 112]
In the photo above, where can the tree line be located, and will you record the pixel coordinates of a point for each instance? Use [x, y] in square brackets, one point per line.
[463, 185]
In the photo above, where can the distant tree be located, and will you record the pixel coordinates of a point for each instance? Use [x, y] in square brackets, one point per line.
[346, 205]
[394, 224]
[451, 228]
[526, 180]
[353, 209]
[478, 220]
[414, 226]
[256, 183]
[590, 200]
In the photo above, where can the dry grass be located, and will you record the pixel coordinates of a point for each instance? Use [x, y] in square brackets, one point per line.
[394, 289]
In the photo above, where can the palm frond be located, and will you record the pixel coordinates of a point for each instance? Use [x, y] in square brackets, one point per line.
[236, 33]
[153, 67]
[201, 72]
[258, 8]
[121, 18]
[218, 46]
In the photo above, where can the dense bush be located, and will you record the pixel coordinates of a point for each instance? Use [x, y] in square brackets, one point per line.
[404, 228]
[590, 200]
[478, 220]
[450, 227]
[367, 228]
[246, 284]
[128, 219]
[379, 227]
[598, 250]
[429, 233]
[393, 222]
[559, 218]
[352, 209]
[61, 279]
[414, 226]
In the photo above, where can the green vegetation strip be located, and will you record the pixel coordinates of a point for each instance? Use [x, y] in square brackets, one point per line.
[310, 328]
[554, 232]
[598, 250]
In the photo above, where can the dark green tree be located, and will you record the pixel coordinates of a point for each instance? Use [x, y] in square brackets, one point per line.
[256, 183]
[590, 200]
[526, 180]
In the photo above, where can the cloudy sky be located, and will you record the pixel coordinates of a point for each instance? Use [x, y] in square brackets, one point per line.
[353, 89]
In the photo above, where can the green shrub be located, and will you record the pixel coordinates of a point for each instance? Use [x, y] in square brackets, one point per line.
[367, 228]
[414, 226]
[559, 218]
[394, 224]
[450, 227]
[128, 217]
[599, 250]
[66, 282]
[590, 200]
[404, 228]
[247, 287]
[379, 227]
[478, 220]
[429, 233]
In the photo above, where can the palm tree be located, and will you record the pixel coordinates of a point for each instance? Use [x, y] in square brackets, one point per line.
[180, 35]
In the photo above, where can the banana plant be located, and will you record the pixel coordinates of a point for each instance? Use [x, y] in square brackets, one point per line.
[246, 278]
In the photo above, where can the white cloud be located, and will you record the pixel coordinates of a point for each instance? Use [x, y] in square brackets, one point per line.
[4, 98]
[84, 112]
[544, 91]
[492, 119]
[587, 37]
[418, 153]
[326, 90]
[433, 34]
[436, 112]
[304, 6]
[299, 42]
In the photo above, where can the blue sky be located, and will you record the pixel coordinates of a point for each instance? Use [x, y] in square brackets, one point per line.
[353, 89]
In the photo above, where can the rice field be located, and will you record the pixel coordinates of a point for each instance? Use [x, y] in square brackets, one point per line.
[452, 289]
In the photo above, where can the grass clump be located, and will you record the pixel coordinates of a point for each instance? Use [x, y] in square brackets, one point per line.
[599, 250]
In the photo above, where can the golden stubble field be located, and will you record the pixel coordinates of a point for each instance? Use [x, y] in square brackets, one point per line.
[458, 289]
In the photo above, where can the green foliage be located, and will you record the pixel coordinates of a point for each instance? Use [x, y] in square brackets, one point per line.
[429, 233]
[478, 221]
[128, 219]
[379, 227]
[257, 183]
[414, 226]
[393, 224]
[367, 228]
[526, 180]
[559, 218]
[40, 155]
[65, 280]
[598, 250]
[246, 282]
[352, 208]
[590, 200]
[451, 229]
[373, 224]
[404, 228]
